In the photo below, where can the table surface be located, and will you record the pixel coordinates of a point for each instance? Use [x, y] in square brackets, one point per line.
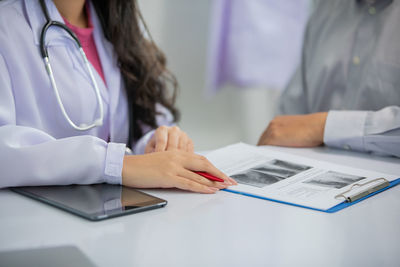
[223, 229]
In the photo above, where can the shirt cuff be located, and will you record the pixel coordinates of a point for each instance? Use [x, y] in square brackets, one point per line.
[142, 142]
[114, 162]
[345, 129]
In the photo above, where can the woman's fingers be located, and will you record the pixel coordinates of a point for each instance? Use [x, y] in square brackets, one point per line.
[201, 180]
[186, 184]
[174, 134]
[150, 145]
[190, 146]
[173, 139]
[183, 142]
[201, 163]
[161, 138]
[169, 138]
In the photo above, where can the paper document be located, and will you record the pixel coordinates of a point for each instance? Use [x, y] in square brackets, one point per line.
[289, 178]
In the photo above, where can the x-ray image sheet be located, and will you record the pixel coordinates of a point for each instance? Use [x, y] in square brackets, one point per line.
[267, 173]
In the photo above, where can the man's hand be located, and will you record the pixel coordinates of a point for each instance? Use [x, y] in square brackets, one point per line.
[295, 130]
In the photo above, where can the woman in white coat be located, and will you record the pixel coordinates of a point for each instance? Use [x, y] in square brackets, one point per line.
[76, 128]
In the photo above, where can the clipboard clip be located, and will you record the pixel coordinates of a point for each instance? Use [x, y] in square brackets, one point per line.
[381, 183]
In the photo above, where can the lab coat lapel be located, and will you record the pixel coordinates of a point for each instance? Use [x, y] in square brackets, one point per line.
[80, 66]
[36, 18]
[56, 36]
[110, 67]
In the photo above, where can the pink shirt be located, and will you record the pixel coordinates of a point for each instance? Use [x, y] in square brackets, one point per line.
[85, 36]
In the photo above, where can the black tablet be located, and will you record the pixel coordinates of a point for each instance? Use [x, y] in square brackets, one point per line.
[93, 202]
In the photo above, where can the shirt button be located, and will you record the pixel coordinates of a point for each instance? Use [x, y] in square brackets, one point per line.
[347, 147]
[372, 10]
[356, 60]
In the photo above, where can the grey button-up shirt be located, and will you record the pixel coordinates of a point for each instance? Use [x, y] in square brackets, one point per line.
[351, 67]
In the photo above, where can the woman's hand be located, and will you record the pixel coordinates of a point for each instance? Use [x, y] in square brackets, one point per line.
[169, 138]
[171, 169]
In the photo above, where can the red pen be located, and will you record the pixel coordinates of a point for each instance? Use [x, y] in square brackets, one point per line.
[210, 176]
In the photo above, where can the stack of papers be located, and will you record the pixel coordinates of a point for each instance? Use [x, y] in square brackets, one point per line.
[291, 179]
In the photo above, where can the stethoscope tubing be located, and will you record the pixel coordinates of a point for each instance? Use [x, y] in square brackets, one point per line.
[45, 56]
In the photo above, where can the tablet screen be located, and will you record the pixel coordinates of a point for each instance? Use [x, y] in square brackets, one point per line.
[94, 202]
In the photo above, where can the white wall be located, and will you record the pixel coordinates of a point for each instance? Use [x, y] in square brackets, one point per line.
[180, 28]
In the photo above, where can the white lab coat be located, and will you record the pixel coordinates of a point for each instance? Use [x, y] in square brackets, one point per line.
[37, 145]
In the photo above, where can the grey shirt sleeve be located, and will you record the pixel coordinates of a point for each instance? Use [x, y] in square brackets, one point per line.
[367, 131]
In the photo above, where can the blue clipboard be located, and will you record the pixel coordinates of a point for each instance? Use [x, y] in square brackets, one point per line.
[331, 210]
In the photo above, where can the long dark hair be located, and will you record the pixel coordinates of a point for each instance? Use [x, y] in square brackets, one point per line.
[142, 64]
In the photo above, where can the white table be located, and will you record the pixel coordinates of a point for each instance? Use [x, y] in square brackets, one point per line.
[224, 229]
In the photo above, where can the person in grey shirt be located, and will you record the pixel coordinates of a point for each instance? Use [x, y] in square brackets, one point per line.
[347, 87]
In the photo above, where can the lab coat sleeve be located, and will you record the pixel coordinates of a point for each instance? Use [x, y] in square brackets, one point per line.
[29, 156]
[164, 118]
[367, 131]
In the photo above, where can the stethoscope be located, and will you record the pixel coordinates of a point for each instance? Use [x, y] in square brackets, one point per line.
[45, 55]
